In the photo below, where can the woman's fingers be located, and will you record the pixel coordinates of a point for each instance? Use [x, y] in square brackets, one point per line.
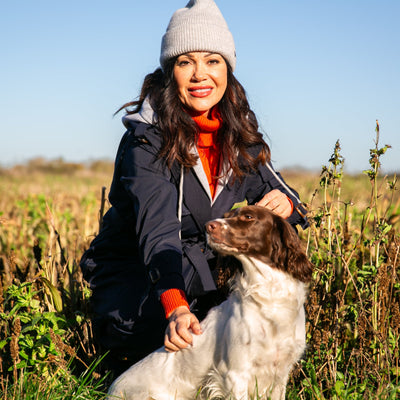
[175, 340]
[277, 202]
[178, 334]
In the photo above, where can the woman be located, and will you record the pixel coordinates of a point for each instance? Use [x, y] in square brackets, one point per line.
[192, 151]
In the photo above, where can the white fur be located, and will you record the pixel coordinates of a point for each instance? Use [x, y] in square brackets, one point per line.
[249, 343]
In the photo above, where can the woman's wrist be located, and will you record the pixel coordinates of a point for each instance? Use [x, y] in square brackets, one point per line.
[172, 299]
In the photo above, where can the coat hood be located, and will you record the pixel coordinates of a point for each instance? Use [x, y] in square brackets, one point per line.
[146, 115]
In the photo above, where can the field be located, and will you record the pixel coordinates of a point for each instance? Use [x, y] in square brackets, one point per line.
[49, 212]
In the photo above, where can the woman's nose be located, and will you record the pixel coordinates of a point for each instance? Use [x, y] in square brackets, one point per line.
[199, 72]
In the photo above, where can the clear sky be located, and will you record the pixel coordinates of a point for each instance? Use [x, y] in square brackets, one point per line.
[314, 71]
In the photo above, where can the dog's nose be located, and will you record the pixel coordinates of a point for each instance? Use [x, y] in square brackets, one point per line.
[211, 226]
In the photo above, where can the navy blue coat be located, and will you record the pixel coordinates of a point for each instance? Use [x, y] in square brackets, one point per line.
[139, 254]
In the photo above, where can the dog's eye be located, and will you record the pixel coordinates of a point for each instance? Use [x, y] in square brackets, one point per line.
[248, 216]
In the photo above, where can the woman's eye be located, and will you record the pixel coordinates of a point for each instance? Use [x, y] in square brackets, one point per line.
[213, 61]
[182, 63]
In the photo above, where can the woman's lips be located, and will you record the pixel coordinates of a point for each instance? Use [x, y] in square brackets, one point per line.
[200, 91]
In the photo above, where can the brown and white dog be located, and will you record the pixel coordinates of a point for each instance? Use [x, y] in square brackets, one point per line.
[251, 341]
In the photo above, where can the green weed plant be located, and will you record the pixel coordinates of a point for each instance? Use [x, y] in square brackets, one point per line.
[353, 309]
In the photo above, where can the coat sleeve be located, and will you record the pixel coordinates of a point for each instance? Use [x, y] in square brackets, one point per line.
[153, 199]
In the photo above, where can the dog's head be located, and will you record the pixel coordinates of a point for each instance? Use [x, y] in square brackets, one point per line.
[257, 232]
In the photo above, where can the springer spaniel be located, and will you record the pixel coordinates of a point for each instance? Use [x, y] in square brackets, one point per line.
[250, 341]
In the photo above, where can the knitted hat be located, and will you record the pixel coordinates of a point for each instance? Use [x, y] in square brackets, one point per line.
[199, 26]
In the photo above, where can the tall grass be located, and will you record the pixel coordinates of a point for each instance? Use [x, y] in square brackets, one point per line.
[353, 309]
[49, 212]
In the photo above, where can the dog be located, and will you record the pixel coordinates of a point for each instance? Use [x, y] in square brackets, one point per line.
[251, 341]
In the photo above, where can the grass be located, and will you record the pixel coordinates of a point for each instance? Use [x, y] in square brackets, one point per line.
[59, 386]
[49, 213]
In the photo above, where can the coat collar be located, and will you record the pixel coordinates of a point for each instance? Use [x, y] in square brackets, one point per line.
[196, 193]
[202, 177]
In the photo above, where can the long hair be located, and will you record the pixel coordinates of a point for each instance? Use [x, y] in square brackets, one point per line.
[179, 132]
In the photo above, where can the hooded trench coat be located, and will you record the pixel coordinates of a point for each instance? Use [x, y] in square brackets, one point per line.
[153, 239]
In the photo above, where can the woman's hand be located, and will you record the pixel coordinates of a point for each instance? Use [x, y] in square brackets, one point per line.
[177, 334]
[277, 202]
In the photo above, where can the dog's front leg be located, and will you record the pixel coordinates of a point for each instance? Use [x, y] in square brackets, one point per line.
[237, 386]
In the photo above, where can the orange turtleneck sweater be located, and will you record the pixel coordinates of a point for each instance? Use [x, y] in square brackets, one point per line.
[208, 148]
[209, 154]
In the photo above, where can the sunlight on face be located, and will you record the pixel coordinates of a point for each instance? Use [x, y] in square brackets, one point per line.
[201, 78]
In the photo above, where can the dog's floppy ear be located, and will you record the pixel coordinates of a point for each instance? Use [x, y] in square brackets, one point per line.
[287, 253]
[226, 268]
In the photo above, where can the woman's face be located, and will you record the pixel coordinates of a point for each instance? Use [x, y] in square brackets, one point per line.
[201, 78]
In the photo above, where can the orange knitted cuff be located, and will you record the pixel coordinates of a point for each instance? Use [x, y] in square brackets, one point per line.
[291, 203]
[172, 299]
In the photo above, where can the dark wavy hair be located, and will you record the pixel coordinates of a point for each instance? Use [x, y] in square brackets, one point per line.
[179, 132]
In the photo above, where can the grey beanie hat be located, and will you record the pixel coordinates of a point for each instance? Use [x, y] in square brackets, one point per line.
[199, 26]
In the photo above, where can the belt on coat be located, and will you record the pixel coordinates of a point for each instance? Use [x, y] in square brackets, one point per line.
[198, 259]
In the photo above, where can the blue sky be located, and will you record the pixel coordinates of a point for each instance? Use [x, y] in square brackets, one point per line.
[314, 72]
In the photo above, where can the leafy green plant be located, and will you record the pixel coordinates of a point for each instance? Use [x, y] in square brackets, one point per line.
[32, 334]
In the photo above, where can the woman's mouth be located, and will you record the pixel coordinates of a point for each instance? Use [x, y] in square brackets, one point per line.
[200, 91]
